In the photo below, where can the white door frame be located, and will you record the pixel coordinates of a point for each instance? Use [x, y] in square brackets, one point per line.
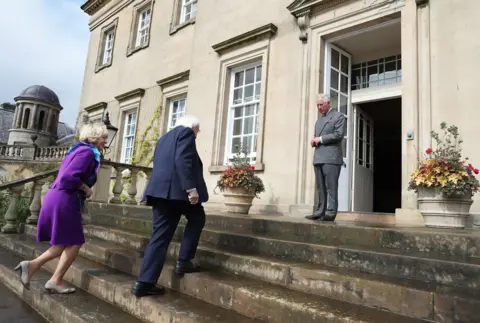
[326, 90]
[378, 93]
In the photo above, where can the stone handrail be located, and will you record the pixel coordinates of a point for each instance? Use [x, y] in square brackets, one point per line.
[16, 188]
[39, 180]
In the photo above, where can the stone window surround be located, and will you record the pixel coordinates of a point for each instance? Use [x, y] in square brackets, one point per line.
[253, 46]
[128, 102]
[137, 9]
[173, 87]
[175, 24]
[101, 46]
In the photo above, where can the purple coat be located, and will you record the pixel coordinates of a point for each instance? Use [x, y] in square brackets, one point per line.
[60, 220]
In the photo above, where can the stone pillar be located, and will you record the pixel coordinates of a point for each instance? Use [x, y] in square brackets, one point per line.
[49, 120]
[411, 136]
[118, 187]
[33, 119]
[101, 190]
[303, 200]
[11, 215]
[36, 204]
[19, 116]
[424, 71]
[132, 190]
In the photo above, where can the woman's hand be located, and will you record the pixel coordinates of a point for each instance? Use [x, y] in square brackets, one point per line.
[88, 192]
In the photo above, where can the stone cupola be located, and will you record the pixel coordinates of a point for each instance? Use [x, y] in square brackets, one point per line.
[37, 113]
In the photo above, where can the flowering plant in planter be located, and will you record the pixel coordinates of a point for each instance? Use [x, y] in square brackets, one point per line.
[241, 174]
[444, 168]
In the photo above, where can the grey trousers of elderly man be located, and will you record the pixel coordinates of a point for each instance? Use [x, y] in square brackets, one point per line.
[327, 163]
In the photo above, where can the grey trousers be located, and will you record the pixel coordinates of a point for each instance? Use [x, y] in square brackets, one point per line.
[326, 177]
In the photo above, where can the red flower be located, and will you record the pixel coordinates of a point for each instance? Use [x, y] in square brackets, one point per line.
[429, 151]
[475, 171]
[470, 167]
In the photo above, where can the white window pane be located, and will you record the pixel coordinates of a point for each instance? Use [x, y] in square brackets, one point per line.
[237, 127]
[239, 79]
[134, 118]
[174, 107]
[247, 144]
[237, 96]
[236, 142]
[250, 110]
[250, 75]
[238, 112]
[248, 125]
[257, 91]
[259, 73]
[248, 96]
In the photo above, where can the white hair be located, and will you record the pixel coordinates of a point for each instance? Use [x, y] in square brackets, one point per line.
[324, 97]
[92, 132]
[188, 122]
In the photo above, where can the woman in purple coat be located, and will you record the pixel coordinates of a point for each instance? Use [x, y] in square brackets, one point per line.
[60, 220]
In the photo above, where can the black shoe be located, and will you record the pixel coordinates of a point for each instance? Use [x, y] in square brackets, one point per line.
[328, 218]
[186, 267]
[140, 289]
[314, 217]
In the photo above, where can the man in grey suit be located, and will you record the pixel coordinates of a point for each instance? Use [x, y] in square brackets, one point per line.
[328, 158]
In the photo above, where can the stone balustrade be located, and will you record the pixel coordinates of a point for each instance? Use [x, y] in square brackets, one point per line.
[32, 152]
[41, 180]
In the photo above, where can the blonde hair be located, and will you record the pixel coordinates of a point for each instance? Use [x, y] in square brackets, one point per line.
[92, 132]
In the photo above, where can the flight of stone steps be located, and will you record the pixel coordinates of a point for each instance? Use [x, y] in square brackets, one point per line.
[262, 269]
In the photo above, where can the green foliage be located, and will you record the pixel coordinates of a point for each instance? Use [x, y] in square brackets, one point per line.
[145, 143]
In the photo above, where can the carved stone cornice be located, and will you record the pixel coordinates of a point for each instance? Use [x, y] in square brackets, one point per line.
[130, 94]
[179, 77]
[96, 106]
[265, 31]
[421, 2]
[297, 8]
[92, 6]
[303, 22]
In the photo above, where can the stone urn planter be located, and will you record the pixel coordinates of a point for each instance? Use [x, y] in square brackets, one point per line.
[238, 200]
[439, 211]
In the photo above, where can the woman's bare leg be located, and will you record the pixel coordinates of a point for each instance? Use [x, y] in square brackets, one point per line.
[52, 253]
[67, 258]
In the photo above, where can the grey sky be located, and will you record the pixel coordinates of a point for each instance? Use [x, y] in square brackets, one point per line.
[44, 42]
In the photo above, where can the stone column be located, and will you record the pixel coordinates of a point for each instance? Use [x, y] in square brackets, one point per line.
[19, 116]
[11, 215]
[118, 187]
[49, 120]
[101, 190]
[33, 119]
[303, 200]
[409, 214]
[424, 81]
[36, 204]
[132, 190]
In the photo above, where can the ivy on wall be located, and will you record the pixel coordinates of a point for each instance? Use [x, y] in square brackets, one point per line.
[144, 147]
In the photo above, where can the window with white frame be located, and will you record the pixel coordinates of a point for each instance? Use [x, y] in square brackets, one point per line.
[188, 10]
[244, 103]
[108, 47]
[177, 110]
[129, 137]
[143, 29]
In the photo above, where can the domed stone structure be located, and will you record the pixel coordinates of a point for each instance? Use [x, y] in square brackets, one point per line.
[37, 113]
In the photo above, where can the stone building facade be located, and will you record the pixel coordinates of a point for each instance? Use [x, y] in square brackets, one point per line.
[251, 70]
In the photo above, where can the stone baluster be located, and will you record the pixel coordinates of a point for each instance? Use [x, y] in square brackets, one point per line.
[148, 175]
[132, 190]
[118, 187]
[11, 214]
[36, 201]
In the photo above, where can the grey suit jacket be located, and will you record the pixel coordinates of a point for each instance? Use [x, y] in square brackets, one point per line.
[331, 128]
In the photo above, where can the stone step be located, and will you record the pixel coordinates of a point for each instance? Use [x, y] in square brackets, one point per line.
[113, 287]
[257, 299]
[423, 267]
[79, 307]
[462, 245]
